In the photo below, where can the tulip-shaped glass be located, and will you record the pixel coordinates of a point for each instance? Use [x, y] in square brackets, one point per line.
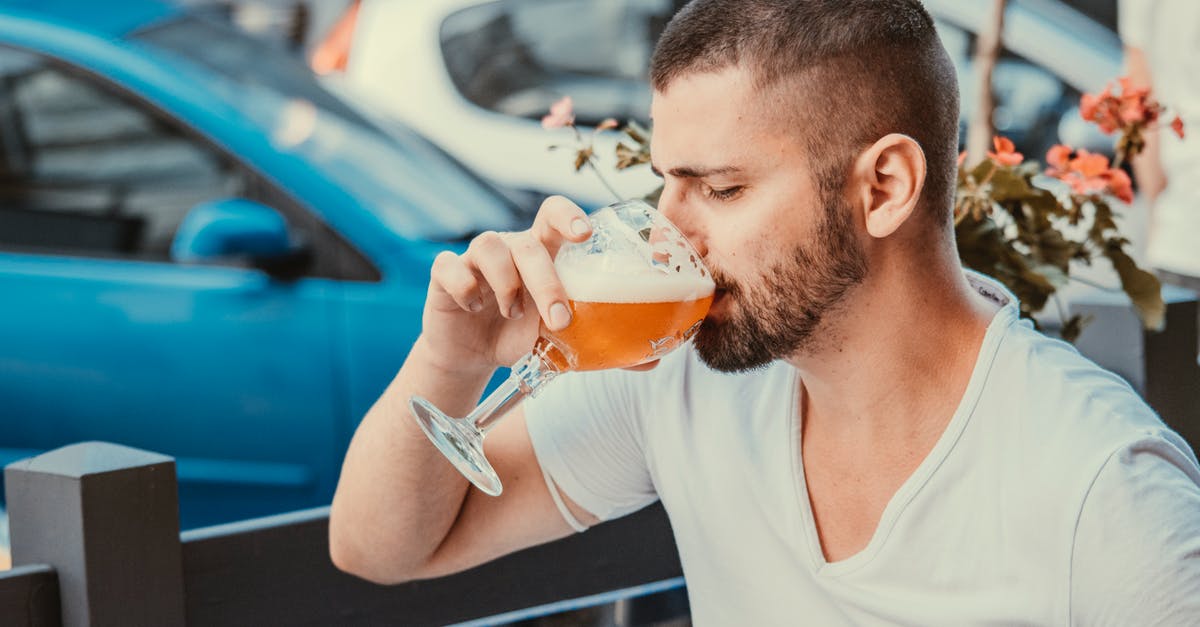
[636, 290]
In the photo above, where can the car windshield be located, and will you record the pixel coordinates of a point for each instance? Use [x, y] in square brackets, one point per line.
[413, 186]
[518, 56]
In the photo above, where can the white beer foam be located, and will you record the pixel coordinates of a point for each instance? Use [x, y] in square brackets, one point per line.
[637, 284]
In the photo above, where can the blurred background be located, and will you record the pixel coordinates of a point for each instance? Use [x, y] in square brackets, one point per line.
[217, 218]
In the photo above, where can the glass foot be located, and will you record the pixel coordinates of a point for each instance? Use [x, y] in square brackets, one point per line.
[460, 442]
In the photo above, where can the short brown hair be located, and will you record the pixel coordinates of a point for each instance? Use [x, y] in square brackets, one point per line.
[864, 69]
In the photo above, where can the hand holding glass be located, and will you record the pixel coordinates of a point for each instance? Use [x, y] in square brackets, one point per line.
[636, 290]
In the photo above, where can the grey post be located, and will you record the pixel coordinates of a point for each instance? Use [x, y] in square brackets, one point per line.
[106, 517]
[1160, 365]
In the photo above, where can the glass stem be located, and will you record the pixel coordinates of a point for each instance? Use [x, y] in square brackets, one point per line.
[528, 375]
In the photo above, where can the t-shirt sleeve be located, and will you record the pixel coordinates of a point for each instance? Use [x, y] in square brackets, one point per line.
[1133, 21]
[1136, 556]
[587, 434]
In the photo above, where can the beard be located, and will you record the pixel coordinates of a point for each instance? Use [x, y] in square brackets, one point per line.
[778, 314]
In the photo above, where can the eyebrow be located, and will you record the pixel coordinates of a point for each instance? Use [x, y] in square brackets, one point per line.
[695, 172]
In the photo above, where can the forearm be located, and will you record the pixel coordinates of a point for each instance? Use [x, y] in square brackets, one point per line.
[398, 496]
[1147, 166]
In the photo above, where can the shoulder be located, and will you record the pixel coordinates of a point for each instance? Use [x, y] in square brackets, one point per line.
[1136, 547]
[1048, 412]
[1063, 394]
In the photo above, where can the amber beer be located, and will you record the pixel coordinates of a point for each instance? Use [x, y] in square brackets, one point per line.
[617, 322]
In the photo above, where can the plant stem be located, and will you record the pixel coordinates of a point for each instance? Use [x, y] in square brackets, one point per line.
[603, 180]
[1094, 284]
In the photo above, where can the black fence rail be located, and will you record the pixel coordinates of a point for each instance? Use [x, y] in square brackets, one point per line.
[94, 529]
[95, 540]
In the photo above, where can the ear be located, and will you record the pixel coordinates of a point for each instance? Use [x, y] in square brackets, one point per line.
[890, 175]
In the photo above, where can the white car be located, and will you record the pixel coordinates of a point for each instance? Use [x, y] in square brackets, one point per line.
[476, 77]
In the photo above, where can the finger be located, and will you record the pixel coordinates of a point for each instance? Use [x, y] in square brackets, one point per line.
[490, 255]
[541, 281]
[560, 219]
[650, 365]
[451, 273]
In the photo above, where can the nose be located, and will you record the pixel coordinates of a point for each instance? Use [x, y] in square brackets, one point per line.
[675, 209]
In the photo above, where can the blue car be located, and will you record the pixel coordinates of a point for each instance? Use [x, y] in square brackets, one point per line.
[203, 252]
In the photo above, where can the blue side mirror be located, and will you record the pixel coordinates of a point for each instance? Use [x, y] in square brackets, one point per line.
[236, 229]
[241, 231]
[231, 227]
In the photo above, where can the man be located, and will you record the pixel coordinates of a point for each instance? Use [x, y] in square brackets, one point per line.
[861, 434]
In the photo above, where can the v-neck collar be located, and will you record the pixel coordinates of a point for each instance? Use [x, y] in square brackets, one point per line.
[1004, 318]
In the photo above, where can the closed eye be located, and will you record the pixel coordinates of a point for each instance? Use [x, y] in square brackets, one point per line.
[728, 193]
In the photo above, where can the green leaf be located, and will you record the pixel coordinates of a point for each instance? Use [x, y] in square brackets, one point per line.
[1103, 220]
[637, 133]
[582, 157]
[628, 157]
[1073, 327]
[1009, 184]
[1044, 203]
[981, 170]
[1142, 287]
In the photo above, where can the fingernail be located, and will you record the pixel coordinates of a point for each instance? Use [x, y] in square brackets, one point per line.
[559, 316]
[475, 306]
[580, 226]
[516, 311]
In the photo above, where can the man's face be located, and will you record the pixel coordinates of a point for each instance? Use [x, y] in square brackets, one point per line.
[740, 186]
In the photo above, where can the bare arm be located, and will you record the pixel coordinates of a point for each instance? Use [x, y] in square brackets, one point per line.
[1147, 166]
[401, 511]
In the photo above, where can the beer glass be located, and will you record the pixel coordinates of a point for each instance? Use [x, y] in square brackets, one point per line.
[636, 290]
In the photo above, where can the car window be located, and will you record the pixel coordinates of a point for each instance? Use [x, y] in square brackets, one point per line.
[416, 189]
[84, 171]
[518, 56]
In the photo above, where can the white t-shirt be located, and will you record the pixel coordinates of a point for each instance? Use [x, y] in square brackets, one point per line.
[1054, 496]
[1168, 32]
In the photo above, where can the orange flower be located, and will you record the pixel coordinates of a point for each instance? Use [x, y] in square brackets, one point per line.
[1102, 109]
[562, 113]
[1177, 126]
[1119, 184]
[1005, 152]
[1134, 110]
[1088, 105]
[1089, 164]
[1058, 156]
[1088, 173]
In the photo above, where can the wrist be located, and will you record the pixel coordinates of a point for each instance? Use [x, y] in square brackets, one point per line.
[449, 384]
[446, 368]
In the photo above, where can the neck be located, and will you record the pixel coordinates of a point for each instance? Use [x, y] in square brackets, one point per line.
[896, 362]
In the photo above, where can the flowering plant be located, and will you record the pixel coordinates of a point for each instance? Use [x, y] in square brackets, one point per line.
[1014, 220]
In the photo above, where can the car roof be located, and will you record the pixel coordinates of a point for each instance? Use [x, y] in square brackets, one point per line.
[105, 19]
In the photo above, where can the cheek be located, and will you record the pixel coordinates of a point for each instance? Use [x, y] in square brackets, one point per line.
[735, 257]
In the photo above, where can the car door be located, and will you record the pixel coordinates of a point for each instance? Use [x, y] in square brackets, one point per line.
[103, 337]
